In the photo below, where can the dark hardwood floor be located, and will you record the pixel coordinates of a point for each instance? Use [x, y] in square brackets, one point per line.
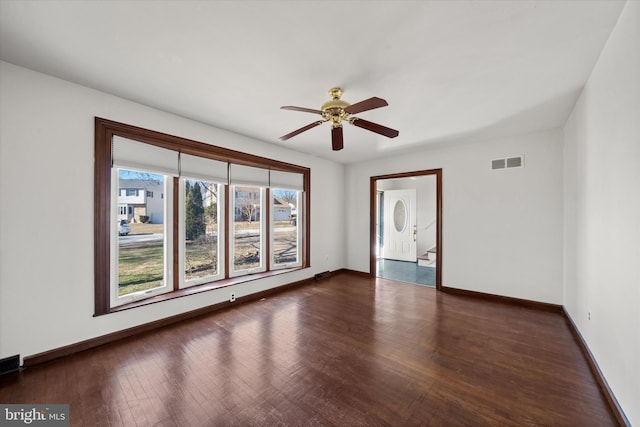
[345, 351]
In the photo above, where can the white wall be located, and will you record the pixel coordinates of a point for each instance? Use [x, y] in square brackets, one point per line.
[502, 230]
[602, 212]
[46, 255]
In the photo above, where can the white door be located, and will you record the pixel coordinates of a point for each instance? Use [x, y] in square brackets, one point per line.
[400, 225]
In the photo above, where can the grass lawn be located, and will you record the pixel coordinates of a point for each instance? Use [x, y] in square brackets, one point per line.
[141, 265]
[201, 257]
[139, 228]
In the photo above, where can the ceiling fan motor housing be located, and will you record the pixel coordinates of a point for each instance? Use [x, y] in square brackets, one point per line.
[334, 109]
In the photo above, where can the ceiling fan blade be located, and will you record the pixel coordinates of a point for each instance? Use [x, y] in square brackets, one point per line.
[374, 127]
[304, 110]
[367, 104]
[337, 143]
[302, 129]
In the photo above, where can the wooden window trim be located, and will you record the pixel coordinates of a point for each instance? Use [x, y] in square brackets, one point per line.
[104, 132]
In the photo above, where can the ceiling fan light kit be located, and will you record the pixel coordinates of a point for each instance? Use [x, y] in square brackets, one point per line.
[336, 111]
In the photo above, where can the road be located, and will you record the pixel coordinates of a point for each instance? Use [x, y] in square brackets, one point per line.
[141, 238]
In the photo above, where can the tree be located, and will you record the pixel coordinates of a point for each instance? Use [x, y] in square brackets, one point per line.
[211, 213]
[249, 209]
[194, 212]
[210, 194]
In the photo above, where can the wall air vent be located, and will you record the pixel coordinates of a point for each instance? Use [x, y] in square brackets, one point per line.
[498, 164]
[514, 162]
[509, 162]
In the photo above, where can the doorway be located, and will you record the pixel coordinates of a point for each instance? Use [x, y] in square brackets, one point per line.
[406, 227]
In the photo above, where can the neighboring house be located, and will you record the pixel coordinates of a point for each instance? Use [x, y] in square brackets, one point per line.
[248, 203]
[141, 197]
[281, 209]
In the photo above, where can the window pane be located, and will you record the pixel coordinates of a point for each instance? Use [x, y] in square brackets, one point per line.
[285, 227]
[201, 229]
[141, 250]
[247, 236]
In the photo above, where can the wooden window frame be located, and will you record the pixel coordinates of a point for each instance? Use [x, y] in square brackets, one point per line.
[272, 264]
[105, 130]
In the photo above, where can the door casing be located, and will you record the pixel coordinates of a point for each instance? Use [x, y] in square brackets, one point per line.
[373, 199]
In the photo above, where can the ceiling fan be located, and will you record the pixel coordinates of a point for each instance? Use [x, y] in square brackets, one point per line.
[336, 111]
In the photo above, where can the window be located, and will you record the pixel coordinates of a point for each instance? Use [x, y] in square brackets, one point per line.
[285, 236]
[141, 256]
[286, 225]
[247, 239]
[226, 215]
[201, 232]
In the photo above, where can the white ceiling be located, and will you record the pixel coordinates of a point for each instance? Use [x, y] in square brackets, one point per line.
[450, 70]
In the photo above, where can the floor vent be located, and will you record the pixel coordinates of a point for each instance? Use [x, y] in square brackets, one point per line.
[322, 275]
[9, 364]
[510, 162]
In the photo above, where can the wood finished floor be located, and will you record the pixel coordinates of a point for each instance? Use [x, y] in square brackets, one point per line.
[345, 351]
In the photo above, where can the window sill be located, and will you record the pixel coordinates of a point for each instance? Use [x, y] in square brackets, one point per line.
[205, 287]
